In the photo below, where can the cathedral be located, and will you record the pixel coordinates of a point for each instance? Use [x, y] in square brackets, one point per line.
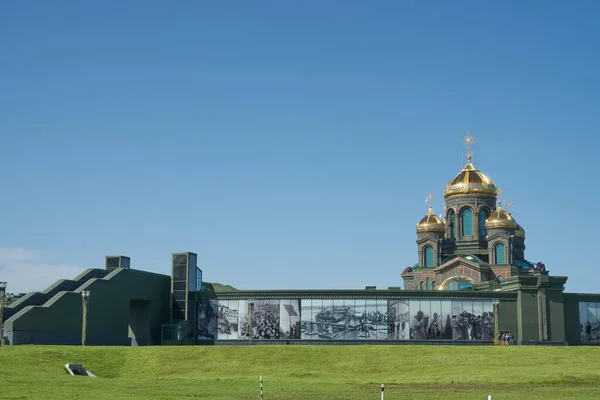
[478, 240]
[471, 284]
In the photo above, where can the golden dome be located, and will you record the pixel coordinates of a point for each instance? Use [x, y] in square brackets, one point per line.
[519, 232]
[500, 219]
[431, 223]
[470, 180]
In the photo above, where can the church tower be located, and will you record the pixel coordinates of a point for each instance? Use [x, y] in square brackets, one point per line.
[470, 198]
[476, 242]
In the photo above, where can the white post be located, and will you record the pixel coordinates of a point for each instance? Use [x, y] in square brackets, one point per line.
[382, 391]
[490, 397]
[261, 396]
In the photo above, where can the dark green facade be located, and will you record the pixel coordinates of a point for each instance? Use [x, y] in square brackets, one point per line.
[129, 307]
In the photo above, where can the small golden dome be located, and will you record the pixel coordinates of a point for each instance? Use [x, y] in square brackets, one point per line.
[431, 223]
[500, 219]
[470, 180]
[519, 232]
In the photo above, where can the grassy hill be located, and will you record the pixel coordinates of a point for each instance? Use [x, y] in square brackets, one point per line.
[302, 372]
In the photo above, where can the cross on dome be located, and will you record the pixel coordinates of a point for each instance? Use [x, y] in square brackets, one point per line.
[469, 140]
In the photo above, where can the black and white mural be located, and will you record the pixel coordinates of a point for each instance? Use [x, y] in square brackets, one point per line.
[264, 315]
[207, 319]
[227, 319]
[344, 319]
[451, 320]
[289, 319]
[398, 320]
[352, 319]
[589, 321]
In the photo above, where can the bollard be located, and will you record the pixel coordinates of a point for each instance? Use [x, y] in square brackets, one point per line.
[261, 398]
[489, 397]
[382, 391]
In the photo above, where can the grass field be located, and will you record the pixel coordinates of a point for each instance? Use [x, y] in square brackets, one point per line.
[302, 372]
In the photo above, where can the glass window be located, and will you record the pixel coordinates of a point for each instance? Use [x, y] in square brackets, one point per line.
[452, 222]
[429, 256]
[483, 215]
[467, 222]
[192, 279]
[428, 283]
[422, 285]
[500, 253]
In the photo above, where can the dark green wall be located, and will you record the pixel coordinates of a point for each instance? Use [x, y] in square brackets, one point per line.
[571, 309]
[59, 320]
[508, 317]
[527, 313]
[556, 316]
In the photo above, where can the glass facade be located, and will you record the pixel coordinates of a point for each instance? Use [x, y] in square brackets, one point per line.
[347, 319]
[589, 322]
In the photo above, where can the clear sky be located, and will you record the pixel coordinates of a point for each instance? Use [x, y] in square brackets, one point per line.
[291, 144]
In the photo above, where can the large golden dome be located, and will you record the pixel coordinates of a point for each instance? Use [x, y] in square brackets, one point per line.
[500, 219]
[470, 181]
[431, 223]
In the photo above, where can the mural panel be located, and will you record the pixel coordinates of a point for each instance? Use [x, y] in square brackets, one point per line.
[361, 319]
[289, 323]
[398, 320]
[207, 319]
[589, 322]
[227, 319]
[264, 315]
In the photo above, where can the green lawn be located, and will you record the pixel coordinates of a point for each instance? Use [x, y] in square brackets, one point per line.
[302, 372]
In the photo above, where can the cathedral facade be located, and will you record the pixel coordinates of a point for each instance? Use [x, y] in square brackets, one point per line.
[477, 241]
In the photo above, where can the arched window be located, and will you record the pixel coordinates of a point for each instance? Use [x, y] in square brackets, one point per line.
[499, 253]
[421, 286]
[483, 215]
[452, 223]
[429, 256]
[467, 222]
[499, 277]
[433, 285]
[428, 283]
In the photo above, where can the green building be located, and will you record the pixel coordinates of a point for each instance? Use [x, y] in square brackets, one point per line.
[472, 283]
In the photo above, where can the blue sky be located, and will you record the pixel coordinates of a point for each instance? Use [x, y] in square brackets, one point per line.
[289, 144]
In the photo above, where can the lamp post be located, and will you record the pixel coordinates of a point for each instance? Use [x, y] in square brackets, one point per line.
[250, 311]
[85, 297]
[496, 304]
[2, 299]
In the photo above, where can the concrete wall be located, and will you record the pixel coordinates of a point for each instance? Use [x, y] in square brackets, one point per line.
[59, 320]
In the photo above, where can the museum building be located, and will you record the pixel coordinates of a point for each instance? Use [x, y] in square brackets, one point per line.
[471, 283]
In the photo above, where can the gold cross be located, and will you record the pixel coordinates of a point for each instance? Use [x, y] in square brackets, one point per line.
[469, 140]
[428, 199]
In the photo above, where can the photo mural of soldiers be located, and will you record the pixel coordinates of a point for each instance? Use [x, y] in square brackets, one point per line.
[589, 318]
[451, 320]
[265, 320]
[343, 319]
[362, 319]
